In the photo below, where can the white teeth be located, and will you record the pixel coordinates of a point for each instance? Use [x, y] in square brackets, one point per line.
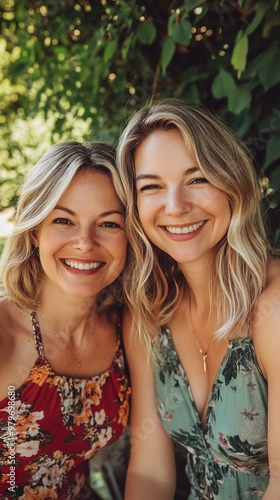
[83, 267]
[184, 230]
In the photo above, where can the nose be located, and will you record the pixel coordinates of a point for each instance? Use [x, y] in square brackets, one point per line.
[177, 202]
[85, 240]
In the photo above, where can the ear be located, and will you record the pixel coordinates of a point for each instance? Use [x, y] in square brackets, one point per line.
[34, 238]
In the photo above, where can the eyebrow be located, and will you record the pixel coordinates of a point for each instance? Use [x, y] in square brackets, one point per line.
[189, 171]
[104, 214]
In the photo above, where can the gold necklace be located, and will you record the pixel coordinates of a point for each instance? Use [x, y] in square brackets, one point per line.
[204, 354]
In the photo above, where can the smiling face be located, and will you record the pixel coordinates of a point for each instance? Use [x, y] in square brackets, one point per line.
[82, 242]
[180, 211]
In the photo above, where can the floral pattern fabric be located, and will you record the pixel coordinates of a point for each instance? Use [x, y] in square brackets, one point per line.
[60, 423]
[229, 459]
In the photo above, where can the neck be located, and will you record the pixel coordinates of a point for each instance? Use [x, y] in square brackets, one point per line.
[197, 294]
[70, 321]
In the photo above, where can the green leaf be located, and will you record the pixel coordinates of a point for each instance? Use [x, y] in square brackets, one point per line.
[261, 9]
[191, 93]
[110, 50]
[223, 85]
[277, 238]
[238, 100]
[171, 20]
[270, 23]
[272, 152]
[167, 53]
[181, 32]
[146, 32]
[268, 67]
[127, 45]
[239, 54]
[192, 4]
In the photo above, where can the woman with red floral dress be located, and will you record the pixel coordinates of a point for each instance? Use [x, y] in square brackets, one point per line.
[64, 389]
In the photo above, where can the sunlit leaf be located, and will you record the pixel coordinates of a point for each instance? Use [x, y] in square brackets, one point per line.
[239, 54]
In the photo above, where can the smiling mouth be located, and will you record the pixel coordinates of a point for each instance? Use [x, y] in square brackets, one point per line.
[82, 267]
[185, 230]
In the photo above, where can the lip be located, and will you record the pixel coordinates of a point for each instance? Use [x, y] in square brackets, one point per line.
[187, 229]
[180, 232]
[84, 266]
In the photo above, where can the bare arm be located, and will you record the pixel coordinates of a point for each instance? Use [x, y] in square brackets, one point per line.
[151, 472]
[267, 344]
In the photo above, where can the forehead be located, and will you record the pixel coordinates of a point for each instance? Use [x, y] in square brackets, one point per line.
[88, 178]
[163, 149]
[91, 186]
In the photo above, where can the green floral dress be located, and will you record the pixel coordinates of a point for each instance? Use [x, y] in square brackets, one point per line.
[229, 460]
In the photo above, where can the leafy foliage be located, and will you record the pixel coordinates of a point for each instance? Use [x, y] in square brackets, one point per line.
[80, 68]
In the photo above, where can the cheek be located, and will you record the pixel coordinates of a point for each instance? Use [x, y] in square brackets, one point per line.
[225, 208]
[218, 200]
[225, 213]
[145, 211]
[118, 248]
[123, 251]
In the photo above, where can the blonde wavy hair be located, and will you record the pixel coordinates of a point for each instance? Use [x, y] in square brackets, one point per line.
[44, 185]
[153, 281]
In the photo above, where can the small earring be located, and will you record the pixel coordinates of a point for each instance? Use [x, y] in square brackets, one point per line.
[36, 250]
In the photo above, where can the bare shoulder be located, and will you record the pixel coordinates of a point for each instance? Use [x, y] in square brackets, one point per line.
[273, 272]
[17, 348]
[15, 328]
[11, 317]
[269, 300]
[7, 316]
[266, 318]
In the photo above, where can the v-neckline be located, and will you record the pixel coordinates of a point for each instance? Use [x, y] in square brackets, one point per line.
[231, 342]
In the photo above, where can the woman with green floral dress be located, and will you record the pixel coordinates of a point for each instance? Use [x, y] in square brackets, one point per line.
[204, 294]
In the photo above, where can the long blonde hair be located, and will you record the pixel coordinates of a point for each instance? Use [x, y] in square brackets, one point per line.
[44, 185]
[153, 280]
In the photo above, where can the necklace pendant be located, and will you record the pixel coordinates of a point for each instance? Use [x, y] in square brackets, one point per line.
[204, 356]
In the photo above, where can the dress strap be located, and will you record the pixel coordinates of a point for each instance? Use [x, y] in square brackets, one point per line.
[37, 333]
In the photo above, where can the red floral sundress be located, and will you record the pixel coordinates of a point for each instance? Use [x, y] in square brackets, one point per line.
[52, 425]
